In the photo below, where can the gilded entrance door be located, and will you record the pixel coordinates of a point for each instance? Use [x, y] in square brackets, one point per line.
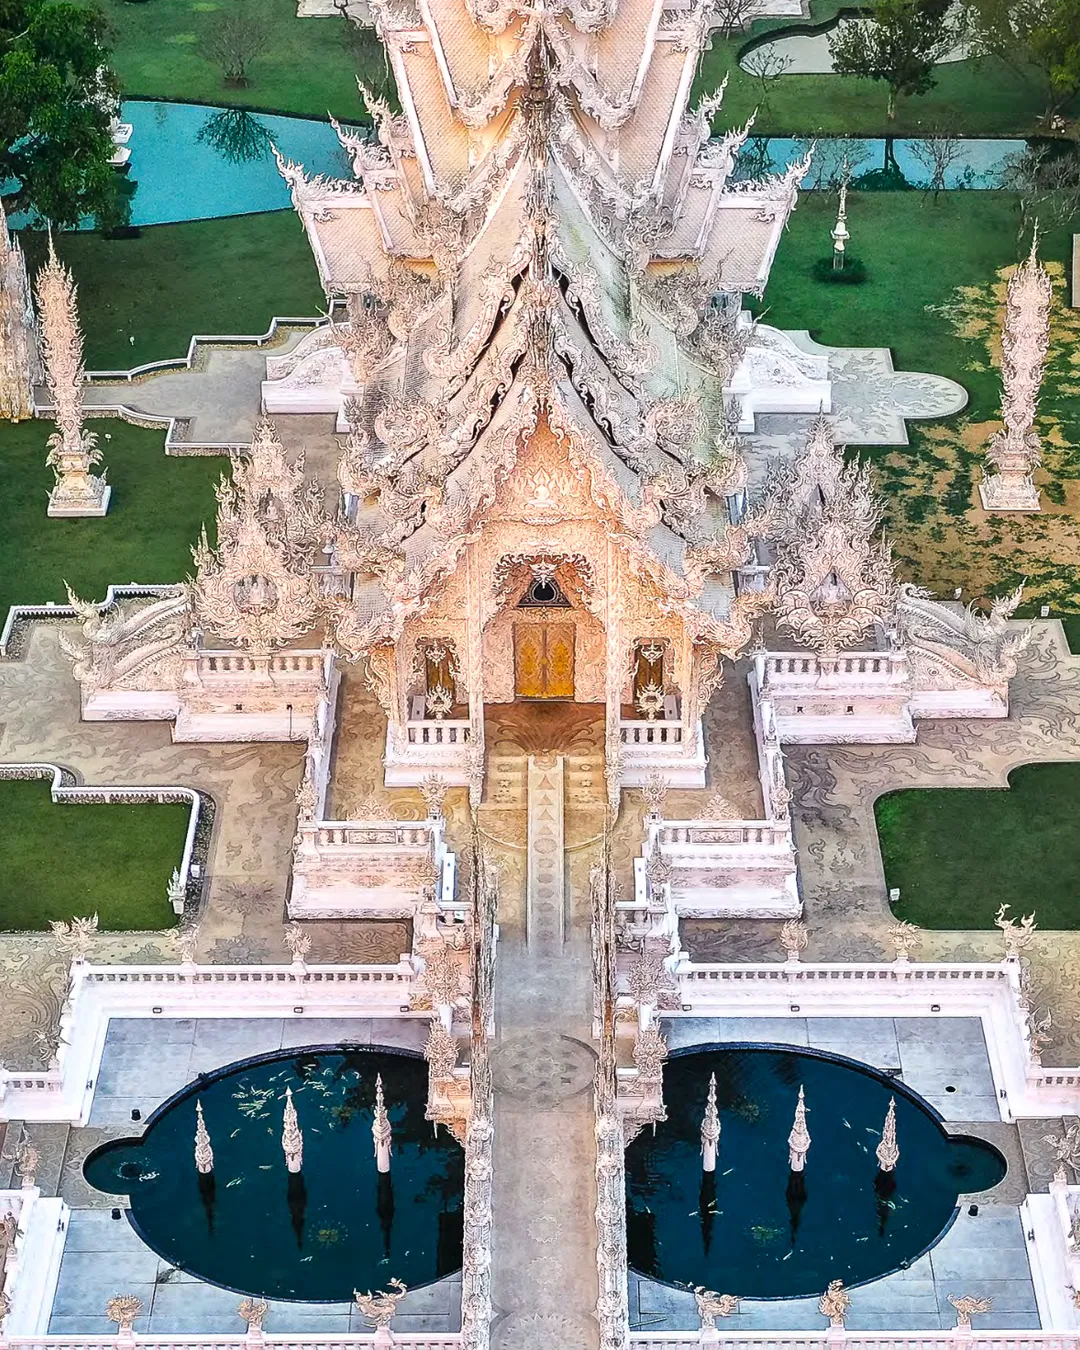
[544, 660]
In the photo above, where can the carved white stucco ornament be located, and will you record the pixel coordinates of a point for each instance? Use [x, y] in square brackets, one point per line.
[834, 579]
[73, 451]
[1014, 453]
[249, 591]
[20, 362]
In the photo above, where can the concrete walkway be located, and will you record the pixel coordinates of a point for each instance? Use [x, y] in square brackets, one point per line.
[544, 1238]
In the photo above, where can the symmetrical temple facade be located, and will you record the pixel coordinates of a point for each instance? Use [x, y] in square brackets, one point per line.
[541, 369]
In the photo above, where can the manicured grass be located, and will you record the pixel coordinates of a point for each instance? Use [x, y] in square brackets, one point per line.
[958, 853]
[308, 67]
[204, 276]
[970, 98]
[61, 860]
[916, 253]
[157, 509]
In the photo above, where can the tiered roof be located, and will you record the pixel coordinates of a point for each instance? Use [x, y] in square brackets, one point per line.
[536, 244]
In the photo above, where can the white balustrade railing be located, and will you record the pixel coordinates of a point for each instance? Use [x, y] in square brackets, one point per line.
[640, 735]
[368, 835]
[449, 731]
[64, 1091]
[898, 988]
[802, 669]
[211, 664]
[720, 834]
[951, 1339]
[402, 1340]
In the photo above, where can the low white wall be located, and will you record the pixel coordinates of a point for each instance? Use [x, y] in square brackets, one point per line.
[897, 989]
[31, 1275]
[99, 993]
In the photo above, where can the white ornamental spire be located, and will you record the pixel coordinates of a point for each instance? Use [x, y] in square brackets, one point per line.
[1014, 452]
[292, 1138]
[799, 1138]
[204, 1153]
[888, 1154]
[73, 450]
[380, 1129]
[20, 364]
[710, 1130]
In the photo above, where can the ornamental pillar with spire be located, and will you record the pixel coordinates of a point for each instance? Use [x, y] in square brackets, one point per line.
[1014, 453]
[73, 451]
[20, 362]
[380, 1129]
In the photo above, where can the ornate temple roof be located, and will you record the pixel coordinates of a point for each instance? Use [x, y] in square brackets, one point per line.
[540, 241]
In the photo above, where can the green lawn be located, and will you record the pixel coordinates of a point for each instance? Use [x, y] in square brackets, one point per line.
[958, 853]
[62, 860]
[157, 509]
[970, 98]
[204, 276]
[309, 66]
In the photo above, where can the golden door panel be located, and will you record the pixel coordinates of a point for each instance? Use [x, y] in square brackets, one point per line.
[544, 660]
[528, 660]
[559, 644]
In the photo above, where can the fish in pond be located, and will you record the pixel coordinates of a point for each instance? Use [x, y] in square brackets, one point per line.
[846, 1123]
[235, 1182]
[727, 1172]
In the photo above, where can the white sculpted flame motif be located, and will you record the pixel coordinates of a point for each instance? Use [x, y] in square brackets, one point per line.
[834, 580]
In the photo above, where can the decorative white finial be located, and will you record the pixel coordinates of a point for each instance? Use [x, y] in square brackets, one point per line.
[888, 1154]
[73, 450]
[380, 1129]
[799, 1138]
[292, 1138]
[710, 1130]
[1014, 453]
[204, 1153]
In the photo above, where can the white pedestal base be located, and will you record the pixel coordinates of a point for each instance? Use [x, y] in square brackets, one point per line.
[1006, 497]
[64, 509]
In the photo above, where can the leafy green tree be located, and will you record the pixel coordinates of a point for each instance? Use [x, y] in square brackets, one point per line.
[899, 43]
[1039, 34]
[56, 102]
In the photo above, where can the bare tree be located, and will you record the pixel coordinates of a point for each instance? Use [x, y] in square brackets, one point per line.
[236, 37]
[766, 65]
[1048, 183]
[836, 159]
[936, 154]
[732, 15]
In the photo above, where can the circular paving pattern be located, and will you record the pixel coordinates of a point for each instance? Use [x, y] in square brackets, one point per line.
[545, 1072]
[542, 1331]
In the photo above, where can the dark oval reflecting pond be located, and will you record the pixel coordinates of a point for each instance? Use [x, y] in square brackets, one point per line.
[758, 1230]
[336, 1226]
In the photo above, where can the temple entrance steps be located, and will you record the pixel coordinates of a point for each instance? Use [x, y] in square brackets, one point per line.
[507, 780]
[545, 889]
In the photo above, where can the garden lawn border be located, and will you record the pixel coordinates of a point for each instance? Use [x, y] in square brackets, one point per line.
[64, 788]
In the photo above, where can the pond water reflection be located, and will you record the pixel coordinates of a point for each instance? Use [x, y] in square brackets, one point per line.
[316, 1235]
[757, 1229]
